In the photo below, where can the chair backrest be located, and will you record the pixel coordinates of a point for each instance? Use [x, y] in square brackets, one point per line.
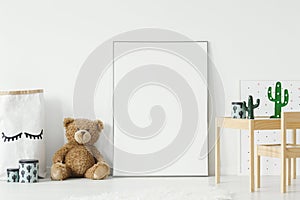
[289, 120]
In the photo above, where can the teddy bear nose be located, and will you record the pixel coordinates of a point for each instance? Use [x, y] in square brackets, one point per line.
[82, 132]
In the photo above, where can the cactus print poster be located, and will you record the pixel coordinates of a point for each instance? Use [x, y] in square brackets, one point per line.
[259, 90]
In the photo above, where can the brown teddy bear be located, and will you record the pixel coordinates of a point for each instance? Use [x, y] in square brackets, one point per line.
[79, 157]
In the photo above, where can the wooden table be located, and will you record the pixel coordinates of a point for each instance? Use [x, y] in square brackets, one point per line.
[260, 123]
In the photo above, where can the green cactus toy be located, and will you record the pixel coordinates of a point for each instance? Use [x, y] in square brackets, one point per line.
[277, 99]
[251, 107]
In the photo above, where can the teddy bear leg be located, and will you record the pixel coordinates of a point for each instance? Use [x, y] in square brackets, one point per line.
[98, 171]
[60, 171]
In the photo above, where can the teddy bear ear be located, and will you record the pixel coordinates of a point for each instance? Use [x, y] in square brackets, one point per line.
[67, 121]
[99, 124]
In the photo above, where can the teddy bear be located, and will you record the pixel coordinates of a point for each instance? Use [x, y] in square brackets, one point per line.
[79, 157]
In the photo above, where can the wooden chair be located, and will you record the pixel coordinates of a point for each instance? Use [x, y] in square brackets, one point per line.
[284, 151]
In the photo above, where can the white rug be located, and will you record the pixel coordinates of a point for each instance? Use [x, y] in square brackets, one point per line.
[165, 194]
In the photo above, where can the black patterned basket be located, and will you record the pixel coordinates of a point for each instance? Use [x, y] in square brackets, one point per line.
[28, 170]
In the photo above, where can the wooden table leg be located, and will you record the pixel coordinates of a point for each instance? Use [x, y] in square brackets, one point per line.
[257, 157]
[283, 157]
[294, 168]
[251, 146]
[217, 153]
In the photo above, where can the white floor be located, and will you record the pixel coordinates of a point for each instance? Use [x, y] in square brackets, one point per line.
[231, 187]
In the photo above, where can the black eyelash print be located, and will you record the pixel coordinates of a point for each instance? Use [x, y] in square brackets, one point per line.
[8, 139]
[31, 136]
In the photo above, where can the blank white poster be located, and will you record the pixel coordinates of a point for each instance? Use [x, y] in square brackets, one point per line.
[160, 108]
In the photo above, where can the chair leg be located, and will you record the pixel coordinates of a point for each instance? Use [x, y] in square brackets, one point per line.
[288, 171]
[283, 174]
[294, 161]
[294, 138]
[257, 171]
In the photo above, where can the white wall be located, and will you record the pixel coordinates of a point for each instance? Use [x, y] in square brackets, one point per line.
[44, 43]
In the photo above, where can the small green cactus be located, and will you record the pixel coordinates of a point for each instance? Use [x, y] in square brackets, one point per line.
[251, 107]
[277, 99]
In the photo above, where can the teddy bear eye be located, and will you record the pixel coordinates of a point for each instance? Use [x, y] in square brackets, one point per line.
[87, 130]
[78, 129]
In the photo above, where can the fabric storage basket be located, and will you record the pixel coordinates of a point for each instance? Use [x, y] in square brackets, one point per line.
[22, 123]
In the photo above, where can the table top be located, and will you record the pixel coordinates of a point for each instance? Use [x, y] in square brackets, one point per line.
[259, 123]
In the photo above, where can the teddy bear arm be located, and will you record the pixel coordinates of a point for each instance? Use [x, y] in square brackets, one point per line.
[97, 155]
[59, 156]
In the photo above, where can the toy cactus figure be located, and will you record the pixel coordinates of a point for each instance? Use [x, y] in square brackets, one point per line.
[277, 99]
[250, 108]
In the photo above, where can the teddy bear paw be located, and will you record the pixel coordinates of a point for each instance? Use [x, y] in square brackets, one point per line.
[59, 171]
[102, 170]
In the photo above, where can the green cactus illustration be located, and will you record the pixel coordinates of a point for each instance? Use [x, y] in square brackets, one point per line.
[28, 178]
[234, 109]
[14, 177]
[28, 168]
[251, 107]
[34, 172]
[241, 114]
[277, 99]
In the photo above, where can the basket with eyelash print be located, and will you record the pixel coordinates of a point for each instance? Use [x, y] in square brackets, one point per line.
[22, 132]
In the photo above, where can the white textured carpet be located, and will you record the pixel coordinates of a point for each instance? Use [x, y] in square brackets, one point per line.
[160, 193]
